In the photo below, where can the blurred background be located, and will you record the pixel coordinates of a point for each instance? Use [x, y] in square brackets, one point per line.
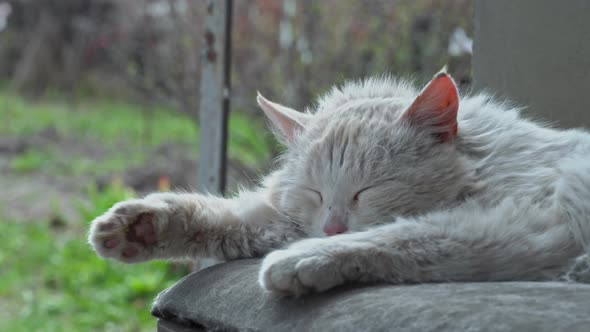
[99, 102]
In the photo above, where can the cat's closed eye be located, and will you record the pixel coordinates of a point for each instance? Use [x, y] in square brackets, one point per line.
[356, 196]
[317, 194]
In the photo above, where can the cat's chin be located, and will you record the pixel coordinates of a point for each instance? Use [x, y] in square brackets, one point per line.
[318, 235]
[321, 234]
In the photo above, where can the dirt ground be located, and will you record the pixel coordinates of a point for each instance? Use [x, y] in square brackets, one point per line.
[38, 194]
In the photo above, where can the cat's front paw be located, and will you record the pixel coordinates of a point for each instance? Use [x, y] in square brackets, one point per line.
[309, 266]
[130, 231]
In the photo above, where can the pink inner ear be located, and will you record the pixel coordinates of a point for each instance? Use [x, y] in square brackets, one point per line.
[437, 106]
[287, 120]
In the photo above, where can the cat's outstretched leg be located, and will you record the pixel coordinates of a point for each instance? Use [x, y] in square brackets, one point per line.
[508, 242]
[170, 226]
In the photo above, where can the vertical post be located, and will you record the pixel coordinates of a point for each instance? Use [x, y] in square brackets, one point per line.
[214, 102]
[215, 94]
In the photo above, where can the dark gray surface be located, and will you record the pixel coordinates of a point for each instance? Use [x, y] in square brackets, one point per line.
[170, 326]
[537, 53]
[227, 297]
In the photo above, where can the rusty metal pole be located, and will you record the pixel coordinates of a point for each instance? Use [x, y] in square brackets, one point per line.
[215, 96]
[214, 103]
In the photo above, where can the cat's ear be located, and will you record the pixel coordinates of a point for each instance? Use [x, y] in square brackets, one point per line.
[287, 121]
[435, 108]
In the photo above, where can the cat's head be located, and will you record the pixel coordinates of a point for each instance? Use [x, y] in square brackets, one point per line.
[366, 155]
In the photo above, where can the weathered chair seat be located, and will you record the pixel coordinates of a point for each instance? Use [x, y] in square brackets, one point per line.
[227, 297]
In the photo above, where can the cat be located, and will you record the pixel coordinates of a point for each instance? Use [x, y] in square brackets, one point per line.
[381, 182]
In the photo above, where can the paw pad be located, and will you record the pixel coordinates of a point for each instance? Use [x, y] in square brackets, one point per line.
[126, 233]
[142, 230]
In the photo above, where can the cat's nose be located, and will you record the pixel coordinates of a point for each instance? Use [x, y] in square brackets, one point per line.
[335, 224]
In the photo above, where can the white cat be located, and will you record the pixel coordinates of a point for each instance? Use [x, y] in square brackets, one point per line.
[389, 185]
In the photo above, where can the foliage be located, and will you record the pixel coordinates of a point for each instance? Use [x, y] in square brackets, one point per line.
[29, 161]
[289, 50]
[113, 123]
[102, 200]
[52, 281]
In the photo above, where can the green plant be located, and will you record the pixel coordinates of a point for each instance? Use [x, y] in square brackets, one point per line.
[98, 201]
[29, 161]
[120, 123]
[53, 281]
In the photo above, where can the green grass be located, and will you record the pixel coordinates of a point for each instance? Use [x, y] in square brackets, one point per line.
[113, 123]
[54, 162]
[55, 283]
[50, 278]
[52, 281]
[29, 161]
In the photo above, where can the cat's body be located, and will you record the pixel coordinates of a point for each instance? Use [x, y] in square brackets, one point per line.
[423, 192]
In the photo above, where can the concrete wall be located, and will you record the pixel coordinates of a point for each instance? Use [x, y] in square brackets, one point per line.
[537, 53]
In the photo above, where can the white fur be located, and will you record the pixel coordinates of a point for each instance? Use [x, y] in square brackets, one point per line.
[507, 200]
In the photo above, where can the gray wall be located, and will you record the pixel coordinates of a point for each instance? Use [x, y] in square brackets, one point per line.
[537, 53]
